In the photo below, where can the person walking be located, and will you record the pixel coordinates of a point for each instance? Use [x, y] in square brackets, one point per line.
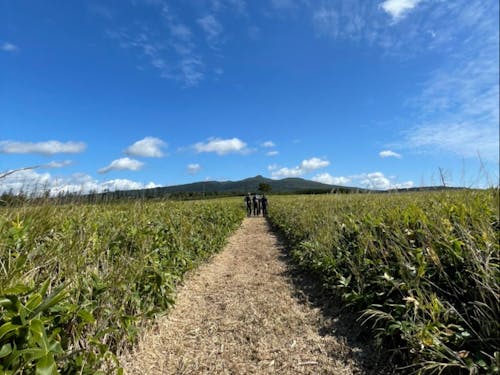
[263, 203]
[248, 202]
[255, 201]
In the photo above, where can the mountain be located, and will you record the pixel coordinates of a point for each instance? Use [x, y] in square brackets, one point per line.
[286, 185]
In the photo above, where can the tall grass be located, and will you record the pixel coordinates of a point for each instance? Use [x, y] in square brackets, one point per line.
[421, 269]
[77, 281]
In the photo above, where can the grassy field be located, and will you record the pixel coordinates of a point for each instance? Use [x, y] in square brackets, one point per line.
[421, 269]
[77, 281]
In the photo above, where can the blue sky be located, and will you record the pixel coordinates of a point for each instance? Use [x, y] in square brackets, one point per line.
[105, 94]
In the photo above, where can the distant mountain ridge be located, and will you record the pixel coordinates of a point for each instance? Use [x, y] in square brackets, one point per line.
[248, 185]
[251, 185]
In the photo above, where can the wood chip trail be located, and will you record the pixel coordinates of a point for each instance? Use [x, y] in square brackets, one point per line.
[237, 314]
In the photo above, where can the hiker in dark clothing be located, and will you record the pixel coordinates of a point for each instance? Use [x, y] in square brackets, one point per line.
[263, 203]
[248, 202]
[256, 205]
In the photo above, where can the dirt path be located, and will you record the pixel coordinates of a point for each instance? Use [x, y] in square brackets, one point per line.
[238, 315]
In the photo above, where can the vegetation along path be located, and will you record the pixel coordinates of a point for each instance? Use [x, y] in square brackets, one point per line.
[239, 314]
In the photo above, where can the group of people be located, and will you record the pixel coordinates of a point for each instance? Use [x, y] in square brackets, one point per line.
[256, 204]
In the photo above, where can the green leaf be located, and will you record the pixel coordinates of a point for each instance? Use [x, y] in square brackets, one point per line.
[39, 334]
[16, 289]
[33, 302]
[6, 302]
[46, 366]
[7, 328]
[32, 354]
[86, 316]
[5, 350]
[57, 296]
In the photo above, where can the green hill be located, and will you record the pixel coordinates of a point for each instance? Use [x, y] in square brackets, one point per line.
[286, 185]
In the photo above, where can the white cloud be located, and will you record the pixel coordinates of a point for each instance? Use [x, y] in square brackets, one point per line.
[191, 71]
[9, 47]
[374, 180]
[222, 146]
[272, 153]
[32, 182]
[465, 139]
[213, 29]
[44, 148]
[389, 154]
[378, 181]
[287, 172]
[326, 178]
[174, 57]
[122, 164]
[180, 31]
[305, 166]
[150, 147]
[57, 164]
[268, 144]
[398, 8]
[313, 163]
[193, 168]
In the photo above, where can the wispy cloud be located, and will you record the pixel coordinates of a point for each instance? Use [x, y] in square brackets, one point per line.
[9, 47]
[389, 154]
[57, 164]
[464, 139]
[272, 153]
[399, 8]
[212, 28]
[193, 168]
[149, 147]
[168, 46]
[457, 110]
[222, 146]
[305, 167]
[122, 164]
[44, 148]
[268, 144]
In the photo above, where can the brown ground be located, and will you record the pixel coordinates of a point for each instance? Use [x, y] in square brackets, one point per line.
[239, 314]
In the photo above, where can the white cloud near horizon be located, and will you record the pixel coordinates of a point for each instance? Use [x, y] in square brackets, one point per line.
[193, 168]
[149, 147]
[373, 180]
[9, 47]
[389, 154]
[378, 181]
[326, 178]
[398, 8]
[32, 182]
[122, 164]
[44, 148]
[305, 166]
[222, 146]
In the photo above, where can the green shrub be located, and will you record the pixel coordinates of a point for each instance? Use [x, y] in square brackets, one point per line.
[78, 281]
[421, 268]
